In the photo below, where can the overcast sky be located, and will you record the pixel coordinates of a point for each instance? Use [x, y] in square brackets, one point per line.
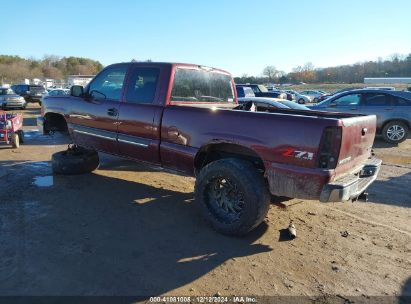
[236, 35]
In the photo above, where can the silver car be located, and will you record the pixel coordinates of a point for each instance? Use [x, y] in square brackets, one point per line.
[392, 108]
[10, 100]
[298, 97]
[314, 95]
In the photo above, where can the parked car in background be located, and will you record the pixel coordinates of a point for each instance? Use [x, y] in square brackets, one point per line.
[261, 91]
[31, 93]
[381, 88]
[300, 98]
[55, 92]
[324, 97]
[261, 102]
[10, 100]
[289, 96]
[392, 108]
[314, 95]
[244, 92]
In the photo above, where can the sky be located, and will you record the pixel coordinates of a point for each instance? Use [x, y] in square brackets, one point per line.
[239, 36]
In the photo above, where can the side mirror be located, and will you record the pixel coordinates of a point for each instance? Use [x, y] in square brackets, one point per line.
[77, 91]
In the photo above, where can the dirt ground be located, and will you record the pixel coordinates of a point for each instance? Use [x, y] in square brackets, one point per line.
[129, 229]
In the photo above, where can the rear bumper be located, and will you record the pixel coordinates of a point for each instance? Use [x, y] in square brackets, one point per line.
[33, 98]
[351, 186]
[13, 105]
[316, 184]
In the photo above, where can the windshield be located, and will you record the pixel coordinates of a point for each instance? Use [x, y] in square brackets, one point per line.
[6, 92]
[201, 86]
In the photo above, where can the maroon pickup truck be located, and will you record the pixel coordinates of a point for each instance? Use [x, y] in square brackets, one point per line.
[185, 117]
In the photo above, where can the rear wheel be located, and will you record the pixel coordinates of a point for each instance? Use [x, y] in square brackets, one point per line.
[75, 160]
[395, 132]
[315, 100]
[301, 101]
[232, 196]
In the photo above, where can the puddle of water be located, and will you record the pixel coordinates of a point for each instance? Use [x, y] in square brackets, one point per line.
[43, 181]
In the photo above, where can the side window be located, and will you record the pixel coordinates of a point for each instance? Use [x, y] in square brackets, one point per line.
[17, 89]
[255, 89]
[108, 84]
[248, 92]
[376, 100]
[348, 100]
[142, 85]
[402, 102]
[240, 92]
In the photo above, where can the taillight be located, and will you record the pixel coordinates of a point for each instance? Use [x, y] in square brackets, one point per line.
[330, 147]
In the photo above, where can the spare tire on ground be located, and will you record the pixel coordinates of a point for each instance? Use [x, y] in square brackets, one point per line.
[75, 160]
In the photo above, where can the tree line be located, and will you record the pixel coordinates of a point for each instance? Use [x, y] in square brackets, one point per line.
[394, 66]
[15, 68]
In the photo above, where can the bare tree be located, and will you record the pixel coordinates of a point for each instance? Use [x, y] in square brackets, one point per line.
[271, 72]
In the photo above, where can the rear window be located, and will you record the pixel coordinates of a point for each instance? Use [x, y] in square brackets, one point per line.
[36, 89]
[202, 86]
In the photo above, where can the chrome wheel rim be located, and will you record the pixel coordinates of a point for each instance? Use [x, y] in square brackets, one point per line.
[395, 132]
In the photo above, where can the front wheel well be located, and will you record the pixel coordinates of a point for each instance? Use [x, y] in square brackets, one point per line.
[216, 151]
[54, 122]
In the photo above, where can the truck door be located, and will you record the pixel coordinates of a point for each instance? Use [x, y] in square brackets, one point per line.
[93, 119]
[140, 115]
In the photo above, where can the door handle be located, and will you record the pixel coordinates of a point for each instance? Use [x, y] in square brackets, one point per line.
[112, 112]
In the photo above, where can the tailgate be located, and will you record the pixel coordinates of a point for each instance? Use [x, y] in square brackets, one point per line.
[358, 135]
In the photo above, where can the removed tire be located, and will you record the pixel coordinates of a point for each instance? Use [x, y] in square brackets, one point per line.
[75, 160]
[15, 140]
[395, 132]
[232, 196]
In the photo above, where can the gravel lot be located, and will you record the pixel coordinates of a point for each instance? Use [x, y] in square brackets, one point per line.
[129, 229]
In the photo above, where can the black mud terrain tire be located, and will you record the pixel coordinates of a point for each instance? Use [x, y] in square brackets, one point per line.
[395, 132]
[232, 196]
[75, 160]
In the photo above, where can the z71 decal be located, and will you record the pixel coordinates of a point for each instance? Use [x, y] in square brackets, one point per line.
[290, 152]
